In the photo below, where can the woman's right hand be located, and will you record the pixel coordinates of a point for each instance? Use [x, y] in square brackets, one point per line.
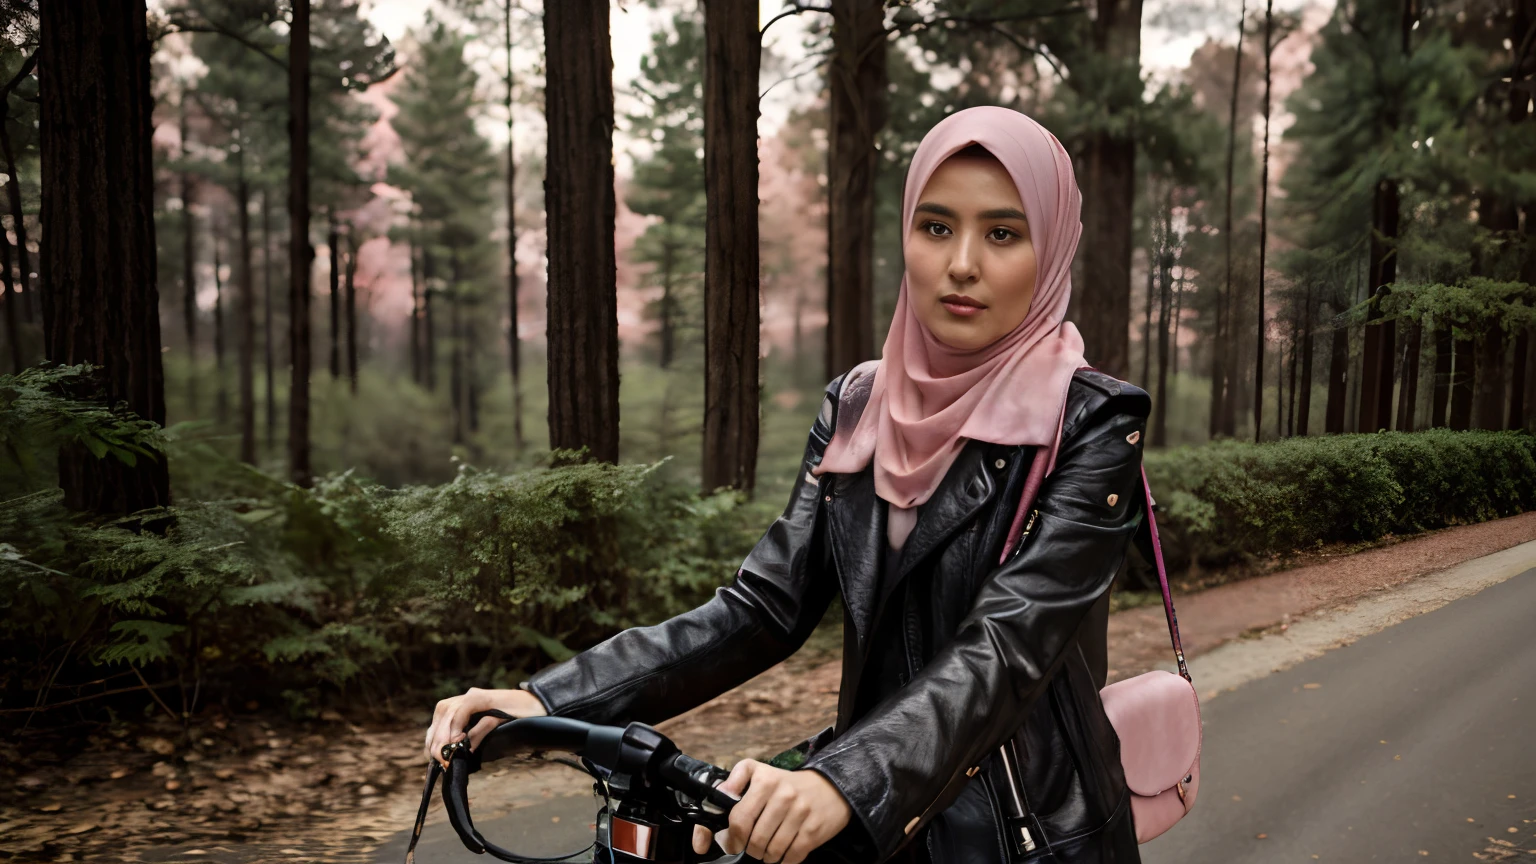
[451, 715]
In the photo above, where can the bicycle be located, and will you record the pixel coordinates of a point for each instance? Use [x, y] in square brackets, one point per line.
[661, 792]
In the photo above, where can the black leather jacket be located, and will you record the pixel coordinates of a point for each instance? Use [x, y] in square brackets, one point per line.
[947, 654]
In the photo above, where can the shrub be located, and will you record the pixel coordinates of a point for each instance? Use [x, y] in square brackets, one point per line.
[252, 587]
[1227, 500]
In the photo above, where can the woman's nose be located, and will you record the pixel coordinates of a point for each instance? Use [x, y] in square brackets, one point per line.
[963, 264]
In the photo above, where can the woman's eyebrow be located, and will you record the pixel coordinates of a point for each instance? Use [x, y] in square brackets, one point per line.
[937, 210]
[1000, 213]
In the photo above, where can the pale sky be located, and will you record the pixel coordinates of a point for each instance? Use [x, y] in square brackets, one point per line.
[1164, 47]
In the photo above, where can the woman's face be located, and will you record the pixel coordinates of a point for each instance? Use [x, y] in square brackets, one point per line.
[970, 262]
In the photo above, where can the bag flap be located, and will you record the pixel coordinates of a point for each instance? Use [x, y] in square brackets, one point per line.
[1157, 718]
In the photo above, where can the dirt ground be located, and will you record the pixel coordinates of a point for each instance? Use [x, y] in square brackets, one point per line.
[247, 786]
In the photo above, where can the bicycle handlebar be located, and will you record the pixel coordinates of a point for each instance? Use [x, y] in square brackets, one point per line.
[661, 789]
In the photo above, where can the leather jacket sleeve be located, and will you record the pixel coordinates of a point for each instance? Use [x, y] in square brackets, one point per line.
[776, 599]
[906, 760]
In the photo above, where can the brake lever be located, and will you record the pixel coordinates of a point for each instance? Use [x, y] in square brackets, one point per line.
[698, 792]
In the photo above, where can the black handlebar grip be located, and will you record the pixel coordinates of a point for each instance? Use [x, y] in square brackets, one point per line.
[705, 780]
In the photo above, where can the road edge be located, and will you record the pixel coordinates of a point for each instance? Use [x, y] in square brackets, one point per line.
[1235, 663]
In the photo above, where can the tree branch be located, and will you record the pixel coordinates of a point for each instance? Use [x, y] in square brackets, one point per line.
[52, 705]
[795, 9]
[993, 23]
[21, 75]
[153, 693]
[992, 20]
[178, 26]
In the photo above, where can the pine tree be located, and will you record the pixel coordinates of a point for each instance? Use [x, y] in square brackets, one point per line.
[668, 183]
[448, 170]
[582, 318]
[102, 306]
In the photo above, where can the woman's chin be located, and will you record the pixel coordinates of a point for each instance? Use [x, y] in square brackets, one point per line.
[963, 336]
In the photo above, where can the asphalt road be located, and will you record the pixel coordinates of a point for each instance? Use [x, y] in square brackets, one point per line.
[1415, 743]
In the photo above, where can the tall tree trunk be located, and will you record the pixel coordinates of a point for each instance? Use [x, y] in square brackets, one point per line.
[1165, 276]
[1109, 192]
[1489, 386]
[1258, 363]
[1520, 111]
[300, 253]
[1502, 220]
[1218, 372]
[221, 383]
[24, 282]
[1442, 386]
[668, 330]
[12, 302]
[1379, 351]
[1221, 368]
[583, 324]
[333, 243]
[799, 339]
[1305, 409]
[471, 369]
[352, 310]
[1146, 322]
[1462, 378]
[1408, 398]
[858, 110]
[1514, 419]
[428, 328]
[731, 319]
[247, 318]
[269, 334]
[1178, 314]
[1288, 402]
[456, 354]
[514, 344]
[1338, 385]
[1234, 369]
[188, 265]
[102, 303]
[415, 311]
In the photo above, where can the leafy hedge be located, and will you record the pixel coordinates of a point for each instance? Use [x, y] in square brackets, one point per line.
[1227, 500]
[261, 589]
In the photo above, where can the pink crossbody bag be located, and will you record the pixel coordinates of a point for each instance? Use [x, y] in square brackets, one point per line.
[1156, 715]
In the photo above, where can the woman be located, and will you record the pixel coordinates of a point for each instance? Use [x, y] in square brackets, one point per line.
[969, 724]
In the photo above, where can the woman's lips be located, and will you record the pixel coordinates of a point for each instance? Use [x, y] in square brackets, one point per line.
[962, 309]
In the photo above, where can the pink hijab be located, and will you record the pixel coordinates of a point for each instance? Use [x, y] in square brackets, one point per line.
[928, 398]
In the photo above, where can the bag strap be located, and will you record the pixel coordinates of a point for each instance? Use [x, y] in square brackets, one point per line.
[1032, 487]
[1162, 581]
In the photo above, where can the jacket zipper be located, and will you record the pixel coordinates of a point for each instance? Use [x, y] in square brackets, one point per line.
[1016, 789]
[1000, 817]
[1007, 751]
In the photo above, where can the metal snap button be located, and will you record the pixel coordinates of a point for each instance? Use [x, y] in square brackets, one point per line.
[1134, 436]
[1001, 463]
[1113, 498]
[829, 498]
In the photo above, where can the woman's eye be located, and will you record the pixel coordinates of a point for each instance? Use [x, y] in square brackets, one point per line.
[937, 229]
[1001, 234]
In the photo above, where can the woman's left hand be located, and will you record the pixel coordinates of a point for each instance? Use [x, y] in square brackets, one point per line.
[782, 816]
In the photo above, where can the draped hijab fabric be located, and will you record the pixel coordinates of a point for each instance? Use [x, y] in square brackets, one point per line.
[928, 398]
